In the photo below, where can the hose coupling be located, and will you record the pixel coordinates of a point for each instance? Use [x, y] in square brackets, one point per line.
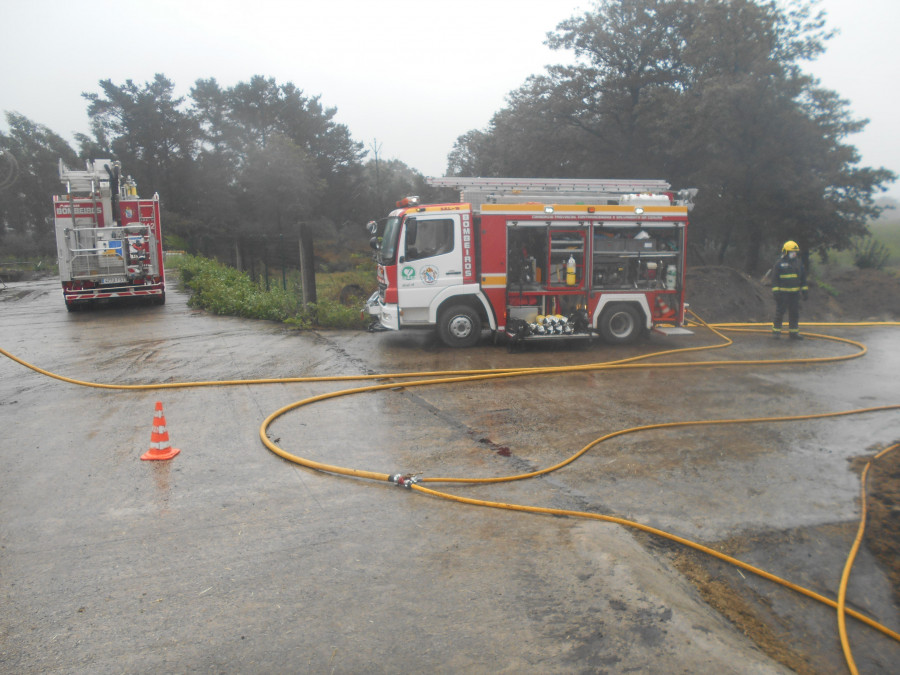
[404, 481]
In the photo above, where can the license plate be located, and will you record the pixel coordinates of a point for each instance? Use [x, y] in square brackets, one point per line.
[112, 280]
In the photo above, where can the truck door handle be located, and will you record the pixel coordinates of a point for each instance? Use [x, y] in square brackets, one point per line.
[453, 272]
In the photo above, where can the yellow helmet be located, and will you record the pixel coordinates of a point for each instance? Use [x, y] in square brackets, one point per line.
[790, 246]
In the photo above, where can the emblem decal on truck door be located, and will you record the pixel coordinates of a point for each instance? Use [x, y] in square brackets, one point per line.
[408, 273]
[429, 274]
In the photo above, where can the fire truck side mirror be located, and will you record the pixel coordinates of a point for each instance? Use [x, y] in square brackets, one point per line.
[412, 228]
[372, 226]
[373, 242]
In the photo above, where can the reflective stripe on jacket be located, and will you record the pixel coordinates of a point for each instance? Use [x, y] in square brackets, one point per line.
[788, 275]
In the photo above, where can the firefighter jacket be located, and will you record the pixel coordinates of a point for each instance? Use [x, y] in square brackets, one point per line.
[789, 275]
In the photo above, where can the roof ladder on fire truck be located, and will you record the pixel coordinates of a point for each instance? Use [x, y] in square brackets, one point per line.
[91, 181]
[479, 191]
[561, 185]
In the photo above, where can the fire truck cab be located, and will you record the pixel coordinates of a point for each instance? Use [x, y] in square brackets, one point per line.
[534, 259]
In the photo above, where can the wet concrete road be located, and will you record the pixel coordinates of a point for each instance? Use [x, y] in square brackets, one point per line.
[229, 559]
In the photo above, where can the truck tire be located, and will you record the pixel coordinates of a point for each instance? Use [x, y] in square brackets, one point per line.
[459, 326]
[620, 324]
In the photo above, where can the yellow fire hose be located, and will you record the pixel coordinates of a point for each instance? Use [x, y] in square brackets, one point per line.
[429, 378]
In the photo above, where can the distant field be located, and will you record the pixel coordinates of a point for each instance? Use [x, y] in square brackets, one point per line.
[885, 231]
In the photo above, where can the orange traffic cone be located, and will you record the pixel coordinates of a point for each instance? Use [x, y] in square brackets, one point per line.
[159, 438]
[663, 309]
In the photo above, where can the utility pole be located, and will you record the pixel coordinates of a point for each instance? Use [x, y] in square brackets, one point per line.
[376, 148]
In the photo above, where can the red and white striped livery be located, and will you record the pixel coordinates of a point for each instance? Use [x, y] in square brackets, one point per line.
[534, 259]
[108, 240]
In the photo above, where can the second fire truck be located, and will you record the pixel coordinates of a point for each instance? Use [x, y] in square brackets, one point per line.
[534, 259]
[108, 240]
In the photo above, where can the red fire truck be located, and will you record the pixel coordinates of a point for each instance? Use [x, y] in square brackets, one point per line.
[534, 259]
[108, 240]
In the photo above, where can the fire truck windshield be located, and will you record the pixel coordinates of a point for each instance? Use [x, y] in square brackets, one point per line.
[388, 249]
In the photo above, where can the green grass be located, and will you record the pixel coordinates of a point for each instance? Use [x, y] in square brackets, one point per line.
[221, 289]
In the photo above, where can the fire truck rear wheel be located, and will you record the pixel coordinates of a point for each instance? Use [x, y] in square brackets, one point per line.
[620, 324]
[459, 326]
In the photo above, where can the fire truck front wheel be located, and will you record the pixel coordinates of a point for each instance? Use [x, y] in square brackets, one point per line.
[620, 324]
[459, 326]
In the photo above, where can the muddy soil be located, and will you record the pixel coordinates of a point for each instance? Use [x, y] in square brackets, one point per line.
[883, 504]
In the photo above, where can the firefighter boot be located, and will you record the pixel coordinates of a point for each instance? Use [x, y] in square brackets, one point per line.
[796, 336]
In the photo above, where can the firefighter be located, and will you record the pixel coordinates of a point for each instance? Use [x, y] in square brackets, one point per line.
[788, 283]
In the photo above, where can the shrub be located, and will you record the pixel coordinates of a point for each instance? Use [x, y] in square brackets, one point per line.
[224, 290]
[869, 253]
[828, 288]
[335, 315]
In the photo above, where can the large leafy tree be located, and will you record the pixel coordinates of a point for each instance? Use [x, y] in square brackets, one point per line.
[708, 94]
[147, 129]
[29, 175]
[262, 108]
[213, 213]
[281, 189]
[287, 166]
[386, 181]
[255, 162]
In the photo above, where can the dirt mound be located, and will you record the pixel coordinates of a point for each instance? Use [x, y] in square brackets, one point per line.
[723, 294]
[855, 295]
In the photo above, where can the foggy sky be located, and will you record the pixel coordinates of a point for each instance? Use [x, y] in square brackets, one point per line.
[407, 76]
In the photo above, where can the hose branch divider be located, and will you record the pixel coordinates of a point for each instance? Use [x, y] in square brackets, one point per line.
[404, 481]
[401, 381]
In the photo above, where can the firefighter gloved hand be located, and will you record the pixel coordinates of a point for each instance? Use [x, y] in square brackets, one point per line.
[806, 295]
